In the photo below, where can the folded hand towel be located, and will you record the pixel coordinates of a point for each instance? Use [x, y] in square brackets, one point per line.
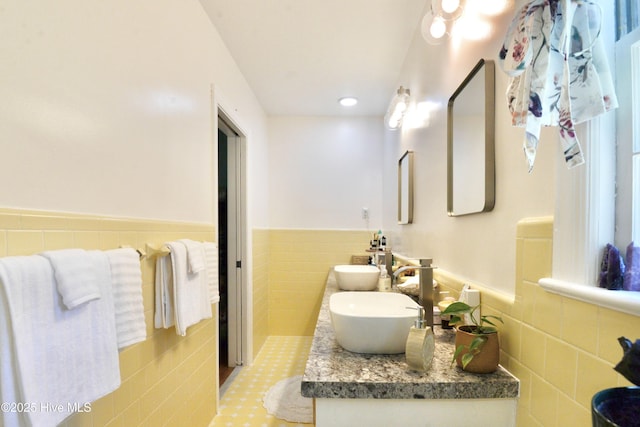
[190, 291]
[195, 255]
[164, 293]
[127, 296]
[58, 358]
[211, 262]
[75, 279]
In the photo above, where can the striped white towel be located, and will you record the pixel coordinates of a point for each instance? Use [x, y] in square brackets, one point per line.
[211, 263]
[127, 296]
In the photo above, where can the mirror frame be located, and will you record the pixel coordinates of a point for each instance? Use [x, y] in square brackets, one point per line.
[488, 67]
[405, 164]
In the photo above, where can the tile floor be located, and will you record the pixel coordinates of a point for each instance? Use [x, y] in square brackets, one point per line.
[241, 404]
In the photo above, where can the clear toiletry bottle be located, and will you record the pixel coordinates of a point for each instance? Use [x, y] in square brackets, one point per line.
[384, 282]
[420, 344]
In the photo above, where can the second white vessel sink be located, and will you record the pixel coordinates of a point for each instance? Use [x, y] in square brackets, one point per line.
[357, 277]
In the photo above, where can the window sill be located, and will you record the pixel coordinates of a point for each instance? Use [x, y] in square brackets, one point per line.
[623, 301]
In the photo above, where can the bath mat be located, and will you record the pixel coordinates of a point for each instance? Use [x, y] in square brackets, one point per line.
[285, 401]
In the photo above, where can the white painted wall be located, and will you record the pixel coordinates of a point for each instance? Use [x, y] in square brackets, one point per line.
[479, 247]
[106, 109]
[324, 170]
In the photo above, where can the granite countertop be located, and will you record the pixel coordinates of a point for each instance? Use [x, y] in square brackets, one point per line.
[333, 372]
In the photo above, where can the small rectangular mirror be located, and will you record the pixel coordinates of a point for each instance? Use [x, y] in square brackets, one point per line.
[405, 188]
[470, 143]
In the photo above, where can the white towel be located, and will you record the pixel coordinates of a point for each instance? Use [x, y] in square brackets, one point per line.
[10, 391]
[211, 262]
[75, 279]
[53, 358]
[164, 293]
[127, 296]
[190, 291]
[195, 255]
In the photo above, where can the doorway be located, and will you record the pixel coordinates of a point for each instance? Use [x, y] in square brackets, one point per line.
[231, 247]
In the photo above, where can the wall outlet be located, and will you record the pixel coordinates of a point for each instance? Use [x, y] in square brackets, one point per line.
[365, 213]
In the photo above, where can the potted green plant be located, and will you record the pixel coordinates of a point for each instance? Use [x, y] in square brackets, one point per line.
[477, 346]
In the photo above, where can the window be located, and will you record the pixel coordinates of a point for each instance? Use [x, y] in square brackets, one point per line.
[599, 203]
[627, 17]
[628, 123]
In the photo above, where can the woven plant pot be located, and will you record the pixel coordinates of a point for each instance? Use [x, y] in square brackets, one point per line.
[484, 362]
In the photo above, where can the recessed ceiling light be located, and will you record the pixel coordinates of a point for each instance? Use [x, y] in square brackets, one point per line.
[348, 101]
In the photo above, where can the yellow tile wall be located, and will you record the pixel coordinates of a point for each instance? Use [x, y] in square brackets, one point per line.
[167, 380]
[562, 350]
[299, 261]
[260, 288]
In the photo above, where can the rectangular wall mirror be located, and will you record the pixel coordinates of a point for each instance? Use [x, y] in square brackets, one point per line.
[405, 188]
[470, 143]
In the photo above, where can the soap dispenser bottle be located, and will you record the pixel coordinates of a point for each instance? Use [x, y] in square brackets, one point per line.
[420, 344]
[384, 282]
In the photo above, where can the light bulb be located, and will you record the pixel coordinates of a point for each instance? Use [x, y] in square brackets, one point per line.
[434, 28]
[448, 9]
[450, 6]
[438, 28]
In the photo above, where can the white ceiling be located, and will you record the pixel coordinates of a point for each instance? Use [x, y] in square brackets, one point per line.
[301, 56]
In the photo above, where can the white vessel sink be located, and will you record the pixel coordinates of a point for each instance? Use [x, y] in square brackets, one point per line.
[372, 322]
[357, 277]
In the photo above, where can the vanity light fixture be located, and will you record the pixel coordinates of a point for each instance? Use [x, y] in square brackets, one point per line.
[348, 101]
[437, 22]
[397, 109]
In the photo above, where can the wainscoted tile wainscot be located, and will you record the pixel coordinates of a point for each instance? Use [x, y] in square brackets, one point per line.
[167, 380]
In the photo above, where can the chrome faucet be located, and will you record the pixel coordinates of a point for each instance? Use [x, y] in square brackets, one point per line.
[425, 295]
